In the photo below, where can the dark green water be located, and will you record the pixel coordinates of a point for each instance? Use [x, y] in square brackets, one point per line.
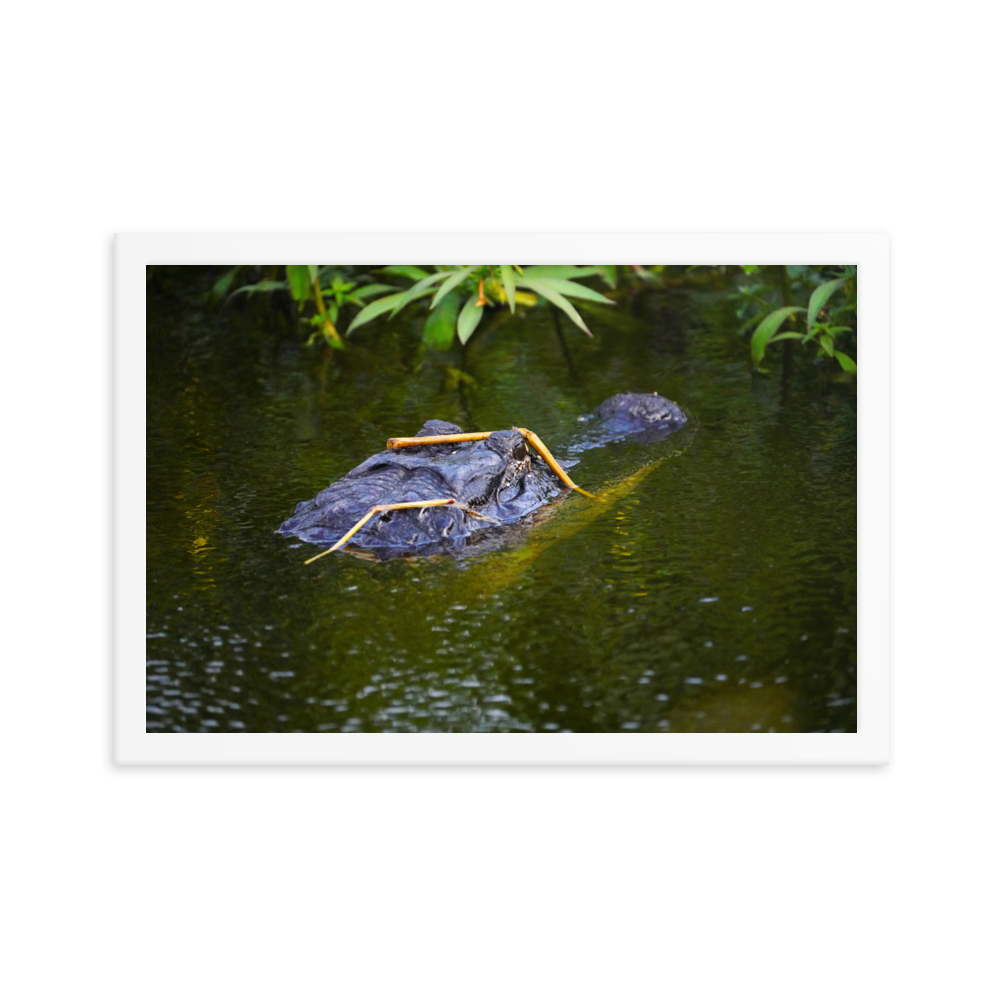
[718, 595]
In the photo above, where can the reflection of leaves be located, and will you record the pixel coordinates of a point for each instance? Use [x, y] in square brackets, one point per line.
[457, 378]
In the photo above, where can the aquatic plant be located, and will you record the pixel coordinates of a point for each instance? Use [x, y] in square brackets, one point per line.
[325, 290]
[823, 323]
[459, 294]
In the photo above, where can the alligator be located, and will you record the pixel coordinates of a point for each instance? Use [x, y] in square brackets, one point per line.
[444, 491]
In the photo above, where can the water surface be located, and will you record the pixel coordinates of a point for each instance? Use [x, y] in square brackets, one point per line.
[716, 593]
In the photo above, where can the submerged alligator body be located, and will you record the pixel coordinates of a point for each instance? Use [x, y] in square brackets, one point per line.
[494, 481]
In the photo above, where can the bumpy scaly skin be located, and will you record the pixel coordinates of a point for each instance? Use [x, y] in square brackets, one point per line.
[633, 415]
[495, 478]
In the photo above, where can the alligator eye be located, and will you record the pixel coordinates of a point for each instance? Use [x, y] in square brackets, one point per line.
[520, 452]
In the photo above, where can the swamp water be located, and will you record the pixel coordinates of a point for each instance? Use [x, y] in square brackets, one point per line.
[716, 591]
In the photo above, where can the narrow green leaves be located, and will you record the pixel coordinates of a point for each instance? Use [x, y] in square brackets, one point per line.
[819, 298]
[766, 330]
[451, 282]
[421, 288]
[561, 271]
[845, 362]
[374, 309]
[468, 318]
[440, 326]
[261, 286]
[574, 291]
[509, 284]
[544, 288]
[367, 291]
[300, 280]
[406, 271]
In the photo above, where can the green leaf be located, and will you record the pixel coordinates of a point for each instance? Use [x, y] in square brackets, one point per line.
[313, 272]
[848, 311]
[220, 288]
[845, 362]
[574, 291]
[819, 298]
[786, 336]
[262, 286]
[453, 280]
[367, 291]
[439, 330]
[560, 271]
[609, 272]
[468, 318]
[542, 287]
[766, 330]
[406, 271]
[826, 342]
[374, 309]
[421, 288]
[299, 281]
[509, 284]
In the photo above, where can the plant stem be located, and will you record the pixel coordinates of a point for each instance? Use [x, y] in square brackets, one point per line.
[329, 328]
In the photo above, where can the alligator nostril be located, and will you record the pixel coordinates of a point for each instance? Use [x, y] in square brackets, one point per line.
[520, 452]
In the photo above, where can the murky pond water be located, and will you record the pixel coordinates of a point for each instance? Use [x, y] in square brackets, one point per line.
[716, 591]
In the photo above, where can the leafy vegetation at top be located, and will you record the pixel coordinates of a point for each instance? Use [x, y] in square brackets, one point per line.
[326, 289]
[459, 294]
[832, 309]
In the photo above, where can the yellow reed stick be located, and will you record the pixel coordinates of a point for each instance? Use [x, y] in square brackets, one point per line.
[530, 436]
[379, 509]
